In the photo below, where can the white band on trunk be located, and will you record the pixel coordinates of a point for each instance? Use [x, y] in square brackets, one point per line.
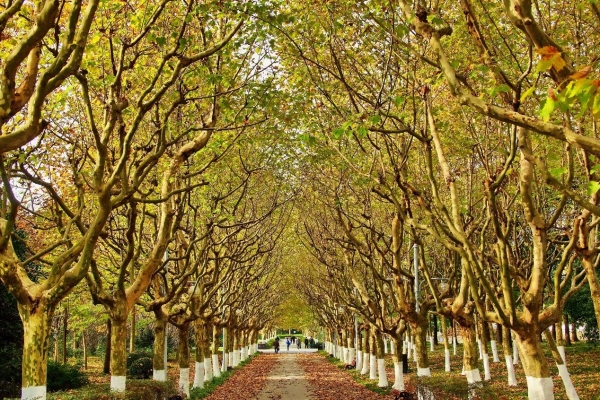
[372, 367]
[383, 382]
[473, 376]
[159, 375]
[398, 376]
[447, 360]
[540, 388]
[566, 378]
[33, 392]
[199, 375]
[423, 371]
[512, 380]
[184, 381]
[117, 383]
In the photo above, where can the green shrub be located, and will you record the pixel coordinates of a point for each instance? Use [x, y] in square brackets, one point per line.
[139, 365]
[65, 376]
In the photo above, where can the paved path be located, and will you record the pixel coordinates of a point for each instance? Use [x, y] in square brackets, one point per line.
[286, 380]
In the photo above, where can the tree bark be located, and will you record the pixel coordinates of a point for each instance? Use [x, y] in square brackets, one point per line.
[470, 355]
[158, 360]
[106, 368]
[435, 330]
[36, 336]
[183, 352]
[132, 332]
[421, 349]
[118, 353]
[539, 380]
[64, 333]
[567, 336]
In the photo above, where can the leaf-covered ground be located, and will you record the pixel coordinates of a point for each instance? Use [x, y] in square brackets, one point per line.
[328, 382]
[247, 382]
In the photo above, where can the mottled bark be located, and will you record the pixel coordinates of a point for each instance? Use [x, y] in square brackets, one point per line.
[36, 335]
[118, 346]
[160, 331]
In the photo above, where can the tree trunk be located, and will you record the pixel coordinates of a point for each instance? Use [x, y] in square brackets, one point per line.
[539, 380]
[592, 278]
[421, 351]
[118, 353]
[183, 352]
[36, 339]
[366, 353]
[507, 349]
[574, 336]
[435, 330]
[132, 332]
[215, 352]
[383, 382]
[106, 368]
[159, 367]
[470, 354]
[398, 371]
[562, 367]
[566, 334]
[85, 355]
[64, 333]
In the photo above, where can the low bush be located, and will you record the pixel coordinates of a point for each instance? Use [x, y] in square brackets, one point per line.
[139, 365]
[136, 390]
[65, 376]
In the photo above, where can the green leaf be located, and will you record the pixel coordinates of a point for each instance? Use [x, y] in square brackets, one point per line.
[362, 131]
[558, 172]
[161, 41]
[544, 65]
[548, 106]
[398, 100]
[592, 187]
[552, 157]
[595, 168]
[338, 132]
[375, 119]
[527, 93]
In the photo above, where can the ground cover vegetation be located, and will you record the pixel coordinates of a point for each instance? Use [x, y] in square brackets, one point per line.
[179, 178]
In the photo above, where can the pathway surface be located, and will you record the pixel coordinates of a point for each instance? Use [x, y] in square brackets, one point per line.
[292, 376]
[286, 381]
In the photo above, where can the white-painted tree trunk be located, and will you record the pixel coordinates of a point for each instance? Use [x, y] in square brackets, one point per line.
[454, 344]
[414, 351]
[486, 367]
[540, 388]
[566, 378]
[480, 349]
[515, 352]
[495, 350]
[159, 375]
[372, 366]
[208, 371]
[383, 382]
[385, 347]
[447, 360]
[345, 355]
[365, 364]
[561, 350]
[117, 383]
[236, 358]
[392, 347]
[398, 376]
[215, 365]
[473, 376]
[199, 375]
[423, 371]
[510, 369]
[184, 381]
[352, 355]
[359, 358]
[34, 392]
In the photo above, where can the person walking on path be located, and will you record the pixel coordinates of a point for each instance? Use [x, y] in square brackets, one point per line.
[276, 345]
[306, 342]
[299, 343]
[287, 342]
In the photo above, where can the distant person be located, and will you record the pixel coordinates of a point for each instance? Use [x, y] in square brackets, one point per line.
[299, 343]
[287, 342]
[306, 342]
[312, 343]
[276, 345]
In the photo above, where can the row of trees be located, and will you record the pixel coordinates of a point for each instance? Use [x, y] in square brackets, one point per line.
[464, 130]
[133, 157]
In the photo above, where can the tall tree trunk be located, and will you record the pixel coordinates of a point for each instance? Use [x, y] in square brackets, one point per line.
[106, 368]
[539, 380]
[159, 367]
[574, 336]
[435, 330]
[421, 349]
[397, 357]
[64, 332]
[567, 334]
[85, 354]
[383, 382]
[118, 347]
[562, 367]
[470, 354]
[183, 353]
[507, 349]
[132, 332]
[36, 339]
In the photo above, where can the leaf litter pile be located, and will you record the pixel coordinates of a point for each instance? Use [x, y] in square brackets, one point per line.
[247, 382]
[328, 382]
